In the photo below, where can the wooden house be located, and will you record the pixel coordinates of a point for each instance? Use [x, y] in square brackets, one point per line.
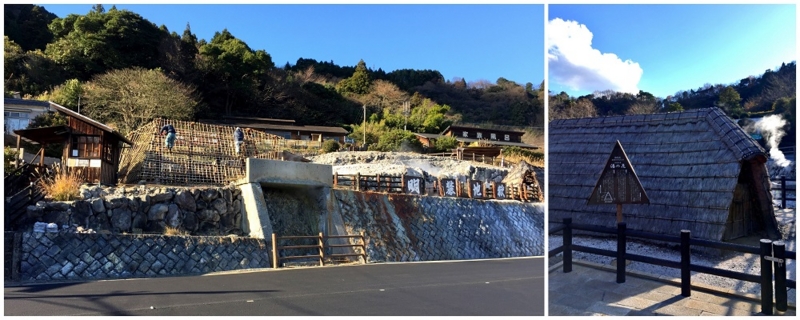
[700, 170]
[90, 146]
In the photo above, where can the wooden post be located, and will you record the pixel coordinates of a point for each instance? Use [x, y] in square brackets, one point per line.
[494, 189]
[403, 183]
[567, 243]
[274, 251]
[336, 178]
[16, 156]
[686, 262]
[766, 277]
[621, 246]
[619, 212]
[358, 181]
[321, 249]
[779, 251]
[783, 192]
[378, 179]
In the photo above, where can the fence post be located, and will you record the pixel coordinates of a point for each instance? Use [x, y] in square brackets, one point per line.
[567, 245]
[621, 245]
[686, 275]
[358, 181]
[274, 251]
[321, 249]
[783, 192]
[766, 277]
[779, 250]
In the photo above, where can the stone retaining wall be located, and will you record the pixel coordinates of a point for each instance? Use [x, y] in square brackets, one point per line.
[197, 211]
[73, 256]
[412, 228]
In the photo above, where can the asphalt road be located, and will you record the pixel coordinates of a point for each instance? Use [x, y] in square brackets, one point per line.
[458, 288]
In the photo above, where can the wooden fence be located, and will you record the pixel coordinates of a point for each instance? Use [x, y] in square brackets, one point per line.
[782, 188]
[478, 158]
[440, 187]
[770, 252]
[317, 250]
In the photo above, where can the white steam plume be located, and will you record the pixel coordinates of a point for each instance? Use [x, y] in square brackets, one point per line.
[771, 127]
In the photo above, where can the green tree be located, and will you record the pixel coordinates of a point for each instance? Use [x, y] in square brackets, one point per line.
[397, 140]
[730, 101]
[232, 71]
[26, 24]
[129, 98]
[674, 107]
[358, 83]
[68, 94]
[100, 41]
[28, 72]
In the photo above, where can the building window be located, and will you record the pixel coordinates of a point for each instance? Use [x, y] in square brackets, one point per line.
[480, 135]
[107, 152]
[508, 137]
[465, 134]
[85, 147]
[493, 136]
[15, 121]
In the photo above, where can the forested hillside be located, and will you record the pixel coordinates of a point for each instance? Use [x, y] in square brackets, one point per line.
[125, 70]
[774, 92]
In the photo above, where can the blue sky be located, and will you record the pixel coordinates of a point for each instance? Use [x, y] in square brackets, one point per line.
[475, 42]
[662, 49]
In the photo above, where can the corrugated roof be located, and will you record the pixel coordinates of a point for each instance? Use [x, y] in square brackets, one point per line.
[688, 163]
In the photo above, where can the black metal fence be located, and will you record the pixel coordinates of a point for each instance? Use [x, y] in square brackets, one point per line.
[771, 253]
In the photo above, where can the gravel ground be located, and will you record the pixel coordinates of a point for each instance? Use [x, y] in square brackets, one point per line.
[746, 263]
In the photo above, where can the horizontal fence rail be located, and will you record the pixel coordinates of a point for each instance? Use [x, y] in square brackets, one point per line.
[783, 188]
[317, 250]
[773, 254]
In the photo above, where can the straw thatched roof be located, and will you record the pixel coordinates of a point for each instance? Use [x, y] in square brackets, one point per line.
[689, 163]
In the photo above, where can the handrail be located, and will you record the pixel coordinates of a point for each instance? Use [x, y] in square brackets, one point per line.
[321, 246]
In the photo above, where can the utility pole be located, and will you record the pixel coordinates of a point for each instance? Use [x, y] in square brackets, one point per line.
[364, 126]
[406, 109]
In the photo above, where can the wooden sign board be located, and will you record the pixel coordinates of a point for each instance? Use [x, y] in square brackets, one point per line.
[476, 190]
[499, 191]
[413, 185]
[618, 184]
[448, 188]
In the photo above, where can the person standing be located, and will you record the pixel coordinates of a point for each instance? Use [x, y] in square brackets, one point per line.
[238, 138]
[169, 141]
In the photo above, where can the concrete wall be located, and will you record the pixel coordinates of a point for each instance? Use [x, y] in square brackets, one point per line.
[411, 228]
[288, 173]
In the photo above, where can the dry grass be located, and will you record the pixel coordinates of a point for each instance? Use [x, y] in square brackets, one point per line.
[63, 185]
[170, 231]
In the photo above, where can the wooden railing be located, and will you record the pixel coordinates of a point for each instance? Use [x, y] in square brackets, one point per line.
[478, 158]
[317, 250]
[395, 184]
[783, 187]
[770, 252]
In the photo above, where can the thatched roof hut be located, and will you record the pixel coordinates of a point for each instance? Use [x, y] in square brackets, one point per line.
[701, 171]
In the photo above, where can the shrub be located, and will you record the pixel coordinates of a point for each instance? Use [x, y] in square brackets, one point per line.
[62, 185]
[445, 144]
[9, 155]
[517, 153]
[330, 146]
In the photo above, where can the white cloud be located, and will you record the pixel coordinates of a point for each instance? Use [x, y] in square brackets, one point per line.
[574, 63]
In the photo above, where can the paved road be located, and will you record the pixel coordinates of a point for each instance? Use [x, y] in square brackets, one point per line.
[477, 287]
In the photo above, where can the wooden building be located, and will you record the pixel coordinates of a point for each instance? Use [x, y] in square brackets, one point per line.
[700, 170]
[466, 135]
[90, 146]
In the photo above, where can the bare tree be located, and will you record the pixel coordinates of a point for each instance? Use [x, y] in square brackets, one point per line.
[643, 107]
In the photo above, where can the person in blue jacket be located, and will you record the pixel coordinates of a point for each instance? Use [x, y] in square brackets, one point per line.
[169, 142]
[238, 137]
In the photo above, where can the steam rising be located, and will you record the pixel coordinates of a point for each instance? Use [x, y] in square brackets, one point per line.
[771, 127]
